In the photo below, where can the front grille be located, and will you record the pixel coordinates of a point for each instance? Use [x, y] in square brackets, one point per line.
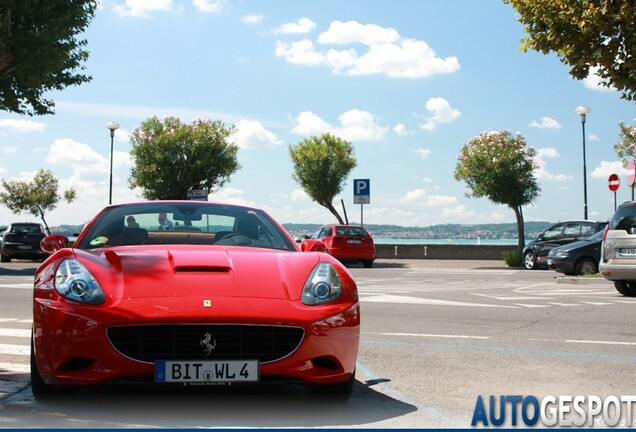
[150, 343]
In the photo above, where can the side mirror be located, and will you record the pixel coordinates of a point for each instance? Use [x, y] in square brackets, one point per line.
[52, 243]
[313, 246]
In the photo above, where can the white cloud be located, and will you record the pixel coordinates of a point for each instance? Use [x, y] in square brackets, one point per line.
[606, 168]
[546, 123]
[548, 152]
[423, 153]
[401, 130]
[308, 123]
[22, 125]
[301, 52]
[252, 19]
[384, 52]
[593, 137]
[252, 134]
[355, 125]
[8, 149]
[208, 6]
[87, 164]
[299, 195]
[420, 196]
[302, 26]
[541, 172]
[142, 8]
[342, 33]
[442, 113]
[594, 82]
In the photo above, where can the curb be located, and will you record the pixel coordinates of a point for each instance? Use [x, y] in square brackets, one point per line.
[582, 280]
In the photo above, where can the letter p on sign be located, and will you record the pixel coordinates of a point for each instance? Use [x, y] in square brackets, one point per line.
[361, 191]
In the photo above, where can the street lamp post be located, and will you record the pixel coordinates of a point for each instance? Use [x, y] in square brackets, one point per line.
[112, 126]
[583, 110]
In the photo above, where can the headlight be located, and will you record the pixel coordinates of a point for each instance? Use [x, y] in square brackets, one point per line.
[322, 286]
[75, 282]
[562, 254]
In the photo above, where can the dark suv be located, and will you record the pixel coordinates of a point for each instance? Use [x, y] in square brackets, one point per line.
[535, 254]
[22, 241]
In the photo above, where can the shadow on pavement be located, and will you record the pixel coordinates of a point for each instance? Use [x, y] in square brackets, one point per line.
[122, 404]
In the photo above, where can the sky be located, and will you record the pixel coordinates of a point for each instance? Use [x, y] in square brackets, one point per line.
[407, 82]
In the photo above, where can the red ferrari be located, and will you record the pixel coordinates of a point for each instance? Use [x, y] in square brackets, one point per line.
[191, 292]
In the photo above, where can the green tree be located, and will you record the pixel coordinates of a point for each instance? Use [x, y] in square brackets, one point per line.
[171, 157]
[500, 166]
[585, 34]
[35, 197]
[40, 51]
[626, 147]
[321, 167]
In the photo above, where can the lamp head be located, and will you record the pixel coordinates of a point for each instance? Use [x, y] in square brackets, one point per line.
[112, 126]
[582, 111]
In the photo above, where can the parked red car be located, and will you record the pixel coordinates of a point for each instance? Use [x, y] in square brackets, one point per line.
[347, 243]
[224, 296]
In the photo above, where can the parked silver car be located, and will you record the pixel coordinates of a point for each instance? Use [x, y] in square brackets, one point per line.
[618, 251]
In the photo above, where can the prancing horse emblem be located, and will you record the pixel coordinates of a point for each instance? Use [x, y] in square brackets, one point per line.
[205, 343]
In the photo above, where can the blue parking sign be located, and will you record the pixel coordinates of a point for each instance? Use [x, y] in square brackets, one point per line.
[361, 191]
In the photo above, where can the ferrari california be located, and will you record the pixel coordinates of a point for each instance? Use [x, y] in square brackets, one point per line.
[221, 294]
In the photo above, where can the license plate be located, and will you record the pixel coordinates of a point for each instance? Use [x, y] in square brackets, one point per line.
[354, 241]
[206, 371]
[24, 247]
[626, 252]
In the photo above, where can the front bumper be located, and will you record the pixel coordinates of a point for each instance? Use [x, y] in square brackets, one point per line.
[72, 346]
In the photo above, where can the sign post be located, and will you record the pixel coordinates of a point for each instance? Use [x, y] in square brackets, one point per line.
[613, 182]
[361, 195]
[631, 173]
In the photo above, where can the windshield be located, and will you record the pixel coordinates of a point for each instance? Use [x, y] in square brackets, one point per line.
[183, 223]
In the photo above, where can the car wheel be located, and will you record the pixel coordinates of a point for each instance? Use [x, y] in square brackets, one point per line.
[41, 390]
[627, 288]
[340, 391]
[530, 260]
[367, 264]
[4, 258]
[586, 266]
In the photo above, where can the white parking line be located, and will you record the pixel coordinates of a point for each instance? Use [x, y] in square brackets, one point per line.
[420, 300]
[15, 349]
[18, 285]
[436, 335]
[6, 368]
[601, 342]
[9, 332]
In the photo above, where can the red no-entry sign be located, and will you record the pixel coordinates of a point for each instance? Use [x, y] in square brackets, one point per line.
[613, 182]
[631, 172]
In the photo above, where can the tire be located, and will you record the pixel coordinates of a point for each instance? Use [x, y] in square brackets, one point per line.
[340, 391]
[367, 264]
[4, 258]
[586, 266]
[627, 288]
[40, 389]
[530, 261]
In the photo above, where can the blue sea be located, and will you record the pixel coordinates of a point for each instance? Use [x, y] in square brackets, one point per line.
[474, 241]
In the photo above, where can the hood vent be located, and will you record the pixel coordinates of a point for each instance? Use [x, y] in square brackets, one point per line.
[202, 269]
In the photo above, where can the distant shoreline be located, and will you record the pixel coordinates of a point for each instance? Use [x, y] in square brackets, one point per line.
[448, 241]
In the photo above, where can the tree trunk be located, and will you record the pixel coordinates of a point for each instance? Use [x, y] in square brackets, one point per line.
[329, 206]
[520, 229]
[46, 226]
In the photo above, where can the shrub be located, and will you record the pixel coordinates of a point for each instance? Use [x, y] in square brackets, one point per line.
[512, 258]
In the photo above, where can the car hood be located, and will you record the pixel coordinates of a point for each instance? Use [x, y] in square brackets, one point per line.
[232, 272]
[572, 246]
